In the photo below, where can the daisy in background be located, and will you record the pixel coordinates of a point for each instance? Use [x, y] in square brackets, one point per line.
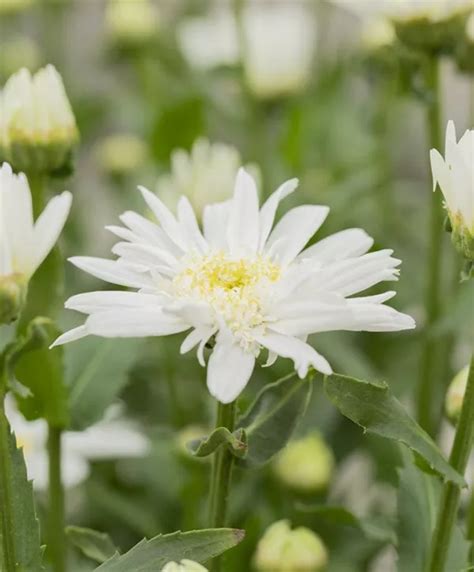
[455, 176]
[240, 284]
[111, 438]
[24, 243]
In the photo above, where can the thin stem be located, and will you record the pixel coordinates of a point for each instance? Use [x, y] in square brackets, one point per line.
[8, 562]
[37, 182]
[56, 536]
[221, 475]
[428, 386]
[470, 525]
[463, 442]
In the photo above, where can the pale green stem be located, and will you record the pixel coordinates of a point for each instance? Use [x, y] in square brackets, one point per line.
[462, 447]
[56, 535]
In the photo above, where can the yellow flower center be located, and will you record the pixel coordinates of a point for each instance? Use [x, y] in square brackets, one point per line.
[234, 287]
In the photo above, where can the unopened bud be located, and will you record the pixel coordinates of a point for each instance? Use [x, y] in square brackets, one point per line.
[455, 395]
[13, 290]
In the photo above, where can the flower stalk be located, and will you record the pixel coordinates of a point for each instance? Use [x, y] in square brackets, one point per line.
[459, 457]
[56, 535]
[221, 475]
[426, 407]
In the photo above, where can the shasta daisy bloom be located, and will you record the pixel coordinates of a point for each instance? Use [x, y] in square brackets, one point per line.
[24, 243]
[455, 176]
[237, 282]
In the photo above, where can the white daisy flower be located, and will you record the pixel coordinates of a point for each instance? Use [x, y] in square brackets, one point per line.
[239, 281]
[111, 438]
[184, 566]
[455, 176]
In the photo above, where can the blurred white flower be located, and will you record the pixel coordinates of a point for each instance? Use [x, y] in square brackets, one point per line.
[112, 438]
[212, 40]
[282, 549]
[238, 281]
[455, 395]
[184, 566]
[204, 175]
[305, 464]
[131, 21]
[455, 176]
[37, 125]
[279, 41]
[24, 243]
[121, 154]
[378, 33]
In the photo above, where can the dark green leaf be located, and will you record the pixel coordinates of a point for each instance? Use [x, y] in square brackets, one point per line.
[152, 555]
[17, 506]
[271, 419]
[39, 369]
[98, 371]
[372, 406]
[236, 443]
[95, 545]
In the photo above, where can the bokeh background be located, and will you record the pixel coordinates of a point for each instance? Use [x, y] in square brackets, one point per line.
[147, 78]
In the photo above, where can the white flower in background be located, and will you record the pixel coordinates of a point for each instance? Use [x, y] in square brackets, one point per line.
[37, 125]
[206, 174]
[184, 566]
[239, 281]
[121, 154]
[24, 243]
[455, 176]
[282, 549]
[111, 438]
[279, 41]
[131, 21]
[378, 33]
[212, 40]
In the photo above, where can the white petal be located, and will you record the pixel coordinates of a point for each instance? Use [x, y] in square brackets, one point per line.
[111, 271]
[215, 219]
[294, 230]
[91, 302]
[302, 354]
[70, 336]
[243, 228]
[339, 246]
[190, 227]
[269, 208]
[228, 371]
[146, 254]
[197, 314]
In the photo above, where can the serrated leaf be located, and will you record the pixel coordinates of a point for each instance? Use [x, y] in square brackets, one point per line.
[271, 419]
[39, 369]
[372, 406]
[95, 545]
[97, 373]
[152, 555]
[17, 506]
[235, 442]
[418, 504]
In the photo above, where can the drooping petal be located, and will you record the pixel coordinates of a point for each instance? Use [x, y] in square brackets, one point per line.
[243, 228]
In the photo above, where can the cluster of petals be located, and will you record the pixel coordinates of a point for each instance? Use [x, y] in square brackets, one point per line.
[240, 284]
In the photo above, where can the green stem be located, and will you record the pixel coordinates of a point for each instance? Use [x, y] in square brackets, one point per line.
[37, 182]
[463, 442]
[8, 561]
[221, 475]
[56, 536]
[470, 525]
[428, 386]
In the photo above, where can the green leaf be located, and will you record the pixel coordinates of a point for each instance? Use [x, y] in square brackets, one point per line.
[95, 545]
[152, 555]
[373, 528]
[97, 373]
[39, 369]
[372, 406]
[271, 419]
[418, 503]
[235, 442]
[17, 505]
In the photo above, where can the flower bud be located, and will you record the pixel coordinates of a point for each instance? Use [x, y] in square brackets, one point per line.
[284, 550]
[37, 126]
[131, 23]
[120, 155]
[306, 464]
[184, 566]
[455, 395]
[13, 290]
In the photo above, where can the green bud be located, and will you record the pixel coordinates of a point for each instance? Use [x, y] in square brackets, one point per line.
[184, 566]
[284, 550]
[13, 290]
[463, 239]
[455, 395]
[305, 465]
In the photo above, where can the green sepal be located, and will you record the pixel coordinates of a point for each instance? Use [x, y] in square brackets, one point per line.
[236, 443]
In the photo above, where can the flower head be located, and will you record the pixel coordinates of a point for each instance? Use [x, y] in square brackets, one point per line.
[111, 438]
[37, 125]
[238, 282]
[131, 22]
[455, 176]
[121, 154]
[282, 549]
[184, 566]
[305, 464]
[24, 243]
